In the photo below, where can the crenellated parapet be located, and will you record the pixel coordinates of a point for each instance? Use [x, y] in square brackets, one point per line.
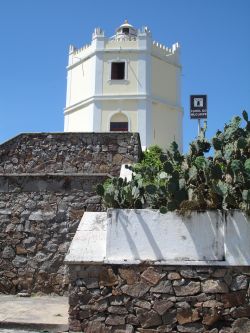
[172, 53]
[75, 54]
[130, 41]
[81, 49]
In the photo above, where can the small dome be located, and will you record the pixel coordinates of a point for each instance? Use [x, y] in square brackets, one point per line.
[125, 25]
[125, 31]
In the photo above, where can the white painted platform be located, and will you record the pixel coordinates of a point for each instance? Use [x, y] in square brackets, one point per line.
[136, 236]
[150, 235]
[89, 242]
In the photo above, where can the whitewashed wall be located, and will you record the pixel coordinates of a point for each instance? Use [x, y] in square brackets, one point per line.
[136, 236]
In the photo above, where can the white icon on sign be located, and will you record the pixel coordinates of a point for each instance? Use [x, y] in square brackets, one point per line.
[198, 102]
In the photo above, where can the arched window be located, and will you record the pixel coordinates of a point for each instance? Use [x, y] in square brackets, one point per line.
[119, 123]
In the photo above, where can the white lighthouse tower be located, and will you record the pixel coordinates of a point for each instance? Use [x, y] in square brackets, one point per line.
[125, 83]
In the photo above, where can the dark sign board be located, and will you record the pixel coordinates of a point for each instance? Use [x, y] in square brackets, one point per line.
[198, 106]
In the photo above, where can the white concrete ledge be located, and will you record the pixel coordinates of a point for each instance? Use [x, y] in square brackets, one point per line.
[89, 243]
[132, 237]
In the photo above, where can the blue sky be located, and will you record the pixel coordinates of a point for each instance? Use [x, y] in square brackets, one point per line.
[35, 35]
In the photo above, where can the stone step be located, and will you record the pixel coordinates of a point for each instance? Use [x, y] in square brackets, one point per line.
[37, 314]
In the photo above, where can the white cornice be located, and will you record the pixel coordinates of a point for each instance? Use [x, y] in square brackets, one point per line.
[96, 98]
[130, 97]
[164, 101]
[122, 50]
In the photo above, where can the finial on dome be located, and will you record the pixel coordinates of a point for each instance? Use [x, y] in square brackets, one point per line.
[126, 22]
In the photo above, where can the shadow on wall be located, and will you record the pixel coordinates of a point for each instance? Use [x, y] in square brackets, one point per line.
[139, 235]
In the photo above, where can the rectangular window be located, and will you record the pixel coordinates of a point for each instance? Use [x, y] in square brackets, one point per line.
[118, 126]
[118, 71]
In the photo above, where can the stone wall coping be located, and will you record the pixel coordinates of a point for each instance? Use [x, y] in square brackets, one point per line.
[132, 237]
[55, 174]
[18, 137]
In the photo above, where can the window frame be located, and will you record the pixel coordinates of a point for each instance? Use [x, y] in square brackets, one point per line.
[125, 61]
[120, 69]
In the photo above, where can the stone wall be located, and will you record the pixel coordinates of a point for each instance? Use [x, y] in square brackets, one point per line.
[47, 181]
[38, 218]
[118, 298]
[69, 153]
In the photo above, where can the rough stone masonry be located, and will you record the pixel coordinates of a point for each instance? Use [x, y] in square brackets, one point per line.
[153, 299]
[47, 181]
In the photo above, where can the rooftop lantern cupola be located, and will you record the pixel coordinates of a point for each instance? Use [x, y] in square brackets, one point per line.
[126, 31]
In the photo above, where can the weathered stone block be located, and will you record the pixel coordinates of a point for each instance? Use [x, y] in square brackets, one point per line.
[114, 320]
[21, 250]
[129, 275]
[188, 273]
[151, 276]
[84, 314]
[239, 282]
[95, 327]
[136, 290]
[132, 319]
[75, 325]
[241, 311]
[123, 329]
[8, 252]
[183, 305]
[5, 212]
[30, 241]
[191, 328]
[165, 329]
[211, 316]
[233, 299]
[42, 216]
[148, 318]
[107, 278]
[19, 261]
[174, 276]
[214, 287]
[212, 304]
[162, 306]
[187, 316]
[143, 304]
[191, 288]
[163, 287]
[117, 310]
[241, 325]
[169, 318]
[219, 272]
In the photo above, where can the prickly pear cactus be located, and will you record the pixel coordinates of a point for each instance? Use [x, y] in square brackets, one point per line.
[172, 181]
[232, 153]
